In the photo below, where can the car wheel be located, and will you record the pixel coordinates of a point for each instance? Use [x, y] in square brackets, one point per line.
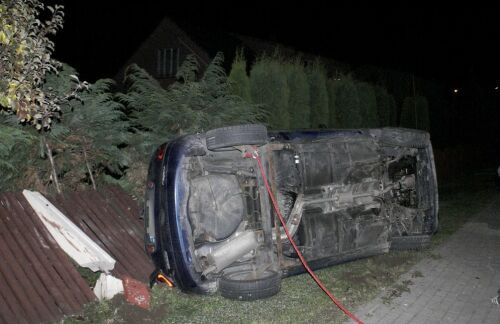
[404, 137]
[250, 285]
[411, 242]
[225, 137]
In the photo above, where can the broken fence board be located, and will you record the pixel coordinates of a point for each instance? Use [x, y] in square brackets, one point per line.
[69, 237]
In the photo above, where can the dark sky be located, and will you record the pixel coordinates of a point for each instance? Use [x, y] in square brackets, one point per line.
[451, 43]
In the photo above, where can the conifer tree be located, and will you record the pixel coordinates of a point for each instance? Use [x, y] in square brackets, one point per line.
[347, 103]
[188, 106]
[269, 88]
[79, 147]
[238, 78]
[415, 113]
[318, 95]
[298, 101]
[368, 104]
[386, 107]
[16, 148]
[333, 121]
[90, 133]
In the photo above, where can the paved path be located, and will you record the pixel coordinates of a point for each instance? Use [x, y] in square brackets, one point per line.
[456, 287]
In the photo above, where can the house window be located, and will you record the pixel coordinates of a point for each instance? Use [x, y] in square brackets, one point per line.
[167, 62]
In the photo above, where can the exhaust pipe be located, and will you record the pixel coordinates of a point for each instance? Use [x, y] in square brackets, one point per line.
[228, 252]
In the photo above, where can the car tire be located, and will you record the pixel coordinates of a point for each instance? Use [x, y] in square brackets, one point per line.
[404, 137]
[226, 137]
[242, 285]
[412, 242]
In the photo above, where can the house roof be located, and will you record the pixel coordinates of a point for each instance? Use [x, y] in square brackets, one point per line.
[166, 27]
[213, 41]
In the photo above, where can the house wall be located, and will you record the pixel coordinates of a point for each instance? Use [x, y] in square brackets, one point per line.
[154, 53]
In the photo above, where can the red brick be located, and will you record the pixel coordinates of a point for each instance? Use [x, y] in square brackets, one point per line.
[136, 293]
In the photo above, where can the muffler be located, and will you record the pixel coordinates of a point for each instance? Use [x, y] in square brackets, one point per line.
[223, 254]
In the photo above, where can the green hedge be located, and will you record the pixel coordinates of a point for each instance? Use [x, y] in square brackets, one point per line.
[269, 88]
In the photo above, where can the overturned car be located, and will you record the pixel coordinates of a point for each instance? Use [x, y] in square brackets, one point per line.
[344, 194]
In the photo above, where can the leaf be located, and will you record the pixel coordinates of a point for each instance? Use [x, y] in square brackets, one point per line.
[3, 38]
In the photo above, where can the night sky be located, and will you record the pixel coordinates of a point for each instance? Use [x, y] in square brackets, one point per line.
[453, 44]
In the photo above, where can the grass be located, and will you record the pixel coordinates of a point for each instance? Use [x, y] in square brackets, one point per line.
[300, 300]
[88, 275]
[461, 200]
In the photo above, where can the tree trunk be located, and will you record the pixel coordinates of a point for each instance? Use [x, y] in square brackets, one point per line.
[52, 164]
[88, 165]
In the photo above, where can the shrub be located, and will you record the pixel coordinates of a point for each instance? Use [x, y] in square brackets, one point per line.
[25, 60]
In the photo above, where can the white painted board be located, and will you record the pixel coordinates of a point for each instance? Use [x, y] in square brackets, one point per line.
[70, 238]
[107, 286]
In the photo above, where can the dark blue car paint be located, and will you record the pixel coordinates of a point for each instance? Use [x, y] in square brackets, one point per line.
[311, 134]
[171, 235]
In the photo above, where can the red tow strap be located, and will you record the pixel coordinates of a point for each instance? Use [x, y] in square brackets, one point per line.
[255, 156]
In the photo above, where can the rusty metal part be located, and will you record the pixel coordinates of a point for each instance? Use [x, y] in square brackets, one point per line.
[276, 233]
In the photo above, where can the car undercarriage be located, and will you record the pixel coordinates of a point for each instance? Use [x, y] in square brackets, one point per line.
[344, 194]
